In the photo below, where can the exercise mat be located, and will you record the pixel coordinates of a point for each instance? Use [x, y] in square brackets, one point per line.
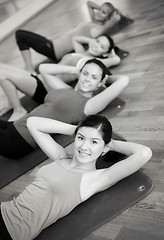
[120, 25]
[10, 169]
[99, 209]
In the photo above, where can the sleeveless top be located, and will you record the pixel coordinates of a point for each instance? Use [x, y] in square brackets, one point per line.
[62, 104]
[52, 195]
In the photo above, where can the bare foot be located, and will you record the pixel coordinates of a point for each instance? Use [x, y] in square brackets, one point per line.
[17, 115]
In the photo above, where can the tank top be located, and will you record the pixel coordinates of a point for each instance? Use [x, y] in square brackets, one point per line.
[62, 104]
[52, 195]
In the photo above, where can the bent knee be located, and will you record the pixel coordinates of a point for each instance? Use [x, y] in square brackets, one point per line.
[19, 33]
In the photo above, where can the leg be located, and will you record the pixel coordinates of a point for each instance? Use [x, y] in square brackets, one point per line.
[13, 79]
[26, 40]
[12, 144]
[4, 234]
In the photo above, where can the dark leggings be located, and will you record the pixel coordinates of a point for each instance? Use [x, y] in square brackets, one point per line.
[42, 45]
[40, 92]
[4, 234]
[12, 144]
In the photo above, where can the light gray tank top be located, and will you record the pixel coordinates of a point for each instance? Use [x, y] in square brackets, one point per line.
[52, 195]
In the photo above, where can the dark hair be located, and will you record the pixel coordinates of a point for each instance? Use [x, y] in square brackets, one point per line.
[108, 4]
[99, 122]
[104, 126]
[113, 9]
[105, 70]
[110, 41]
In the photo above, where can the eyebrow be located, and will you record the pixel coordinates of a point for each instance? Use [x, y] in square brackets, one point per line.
[91, 138]
[95, 75]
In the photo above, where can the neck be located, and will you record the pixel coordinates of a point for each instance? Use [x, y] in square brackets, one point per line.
[85, 94]
[82, 166]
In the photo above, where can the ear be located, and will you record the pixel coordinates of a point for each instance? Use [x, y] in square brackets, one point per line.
[102, 83]
[106, 149]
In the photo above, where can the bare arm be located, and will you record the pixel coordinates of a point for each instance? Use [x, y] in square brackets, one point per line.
[51, 72]
[112, 60]
[92, 6]
[40, 129]
[137, 156]
[52, 68]
[78, 43]
[99, 102]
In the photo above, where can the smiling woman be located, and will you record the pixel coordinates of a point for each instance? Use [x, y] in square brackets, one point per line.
[91, 141]
[102, 18]
[92, 74]
[68, 181]
[61, 102]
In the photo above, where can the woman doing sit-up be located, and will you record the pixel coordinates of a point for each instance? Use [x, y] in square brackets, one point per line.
[102, 18]
[12, 78]
[68, 180]
[102, 48]
[62, 103]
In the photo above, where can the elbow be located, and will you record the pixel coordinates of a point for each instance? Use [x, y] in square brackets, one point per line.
[117, 60]
[146, 154]
[125, 81]
[31, 122]
[42, 68]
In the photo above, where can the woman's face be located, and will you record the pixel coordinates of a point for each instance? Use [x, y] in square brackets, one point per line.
[88, 145]
[90, 78]
[103, 13]
[99, 46]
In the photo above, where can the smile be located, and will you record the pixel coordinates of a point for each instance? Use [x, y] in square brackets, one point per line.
[87, 85]
[82, 153]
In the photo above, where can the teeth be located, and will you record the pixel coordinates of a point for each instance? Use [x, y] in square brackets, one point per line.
[83, 153]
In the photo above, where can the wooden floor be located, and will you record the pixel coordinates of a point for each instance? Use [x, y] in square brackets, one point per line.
[142, 119]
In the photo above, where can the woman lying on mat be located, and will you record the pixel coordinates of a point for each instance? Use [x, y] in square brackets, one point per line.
[12, 78]
[107, 15]
[68, 180]
[102, 48]
[62, 103]
[57, 48]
